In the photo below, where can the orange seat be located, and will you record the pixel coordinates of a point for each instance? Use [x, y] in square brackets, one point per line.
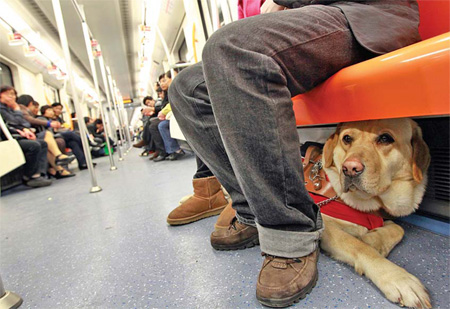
[409, 82]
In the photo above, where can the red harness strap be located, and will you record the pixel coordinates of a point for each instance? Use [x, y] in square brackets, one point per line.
[344, 212]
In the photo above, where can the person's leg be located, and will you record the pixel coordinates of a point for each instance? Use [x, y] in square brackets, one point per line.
[295, 50]
[157, 140]
[73, 141]
[54, 151]
[191, 106]
[208, 199]
[170, 144]
[203, 170]
[269, 58]
[31, 151]
[61, 144]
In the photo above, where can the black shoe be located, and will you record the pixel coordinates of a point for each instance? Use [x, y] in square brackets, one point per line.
[59, 175]
[37, 182]
[176, 155]
[160, 158]
[84, 166]
[64, 161]
[145, 153]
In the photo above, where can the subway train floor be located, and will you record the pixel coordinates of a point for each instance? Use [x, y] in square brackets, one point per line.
[63, 247]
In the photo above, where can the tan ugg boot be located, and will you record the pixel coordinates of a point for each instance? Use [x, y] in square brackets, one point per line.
[224, 220]
[208, 200]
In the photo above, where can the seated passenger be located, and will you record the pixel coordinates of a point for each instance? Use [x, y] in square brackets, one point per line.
[235, 110]
[147, 113]
[73, 140]
[171, 145]
[35, 151]
[13, 116]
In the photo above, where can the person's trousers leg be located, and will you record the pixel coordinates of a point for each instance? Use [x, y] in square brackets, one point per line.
[190, 103]
[42, 157]
[31, 150]
[170, 144]
[203, 171]
[252, 68]
[73, 141]
[156, 136]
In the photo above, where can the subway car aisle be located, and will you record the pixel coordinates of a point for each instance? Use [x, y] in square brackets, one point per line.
[62, 247]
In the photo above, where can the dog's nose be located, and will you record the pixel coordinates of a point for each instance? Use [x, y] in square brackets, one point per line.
[352, 167]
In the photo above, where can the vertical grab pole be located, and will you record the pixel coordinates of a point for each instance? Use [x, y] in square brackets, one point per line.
[108, 97]
[127, 123]
[87, 40]
[116, 106]
[82, 125]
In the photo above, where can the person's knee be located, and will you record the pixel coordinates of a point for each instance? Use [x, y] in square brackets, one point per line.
[222, 42]
[163, 125]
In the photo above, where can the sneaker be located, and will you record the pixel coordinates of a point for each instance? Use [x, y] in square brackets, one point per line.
[37, 182]
[284, 281]
[237, 236]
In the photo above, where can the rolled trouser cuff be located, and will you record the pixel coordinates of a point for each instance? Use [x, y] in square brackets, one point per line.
[289, 244]
[246, 221]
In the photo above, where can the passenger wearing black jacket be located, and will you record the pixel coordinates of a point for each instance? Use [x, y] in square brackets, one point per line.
[35, 151]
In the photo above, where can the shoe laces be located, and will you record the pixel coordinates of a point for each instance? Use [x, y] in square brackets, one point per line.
[233, 224]
[285, 260]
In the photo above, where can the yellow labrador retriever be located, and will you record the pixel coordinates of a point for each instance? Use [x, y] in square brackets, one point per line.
[377, 165]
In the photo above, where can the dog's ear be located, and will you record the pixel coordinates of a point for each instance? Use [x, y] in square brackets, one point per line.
[328, 149]
[421, 154]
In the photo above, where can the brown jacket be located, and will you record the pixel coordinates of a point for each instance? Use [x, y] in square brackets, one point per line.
[380, 26]
[29, 116]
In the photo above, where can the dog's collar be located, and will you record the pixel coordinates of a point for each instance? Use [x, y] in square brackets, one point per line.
[344, 212]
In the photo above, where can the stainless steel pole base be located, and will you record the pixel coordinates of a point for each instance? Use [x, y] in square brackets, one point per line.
[10, 300]
[120, 159]
[113, 168]
[95, 189]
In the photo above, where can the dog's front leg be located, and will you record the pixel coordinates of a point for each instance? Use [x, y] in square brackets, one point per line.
[384, 238]
[396, 283]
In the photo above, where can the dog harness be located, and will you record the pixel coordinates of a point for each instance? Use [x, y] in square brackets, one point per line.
[344, 212]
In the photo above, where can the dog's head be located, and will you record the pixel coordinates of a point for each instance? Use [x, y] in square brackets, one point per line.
[378, 164]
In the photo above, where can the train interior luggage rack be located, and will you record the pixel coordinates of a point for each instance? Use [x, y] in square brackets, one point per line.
[410, 82]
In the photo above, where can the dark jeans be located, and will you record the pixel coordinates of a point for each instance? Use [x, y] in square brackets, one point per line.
[73, 141]
[235, 110]
[35, 153]
[202, 170]
[156, 136]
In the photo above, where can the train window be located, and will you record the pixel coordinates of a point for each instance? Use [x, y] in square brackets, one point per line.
[51, 94]
[5, 75]
[183, 51]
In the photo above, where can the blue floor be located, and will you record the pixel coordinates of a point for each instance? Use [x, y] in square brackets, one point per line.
[62, 247]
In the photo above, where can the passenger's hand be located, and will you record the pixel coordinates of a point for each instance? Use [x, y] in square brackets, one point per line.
[148, 111]
[161, 116]
[269, 6]
[21, 133]
[29, 134]
[55, 124]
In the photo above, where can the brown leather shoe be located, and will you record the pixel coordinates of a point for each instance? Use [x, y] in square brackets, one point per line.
[283, 281]
[236, 236]
[139, 144]
[208, 200]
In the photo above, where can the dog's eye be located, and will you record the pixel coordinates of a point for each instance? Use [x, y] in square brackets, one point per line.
[385, 139]
[347, 139]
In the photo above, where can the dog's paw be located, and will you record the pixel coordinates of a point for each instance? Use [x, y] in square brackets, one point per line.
[405, 289]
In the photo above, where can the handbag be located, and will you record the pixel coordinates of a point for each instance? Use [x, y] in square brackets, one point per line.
[316, 180]
[11, 155]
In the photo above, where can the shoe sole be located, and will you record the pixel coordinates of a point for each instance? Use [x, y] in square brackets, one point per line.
[289, 301]
[202, 215]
